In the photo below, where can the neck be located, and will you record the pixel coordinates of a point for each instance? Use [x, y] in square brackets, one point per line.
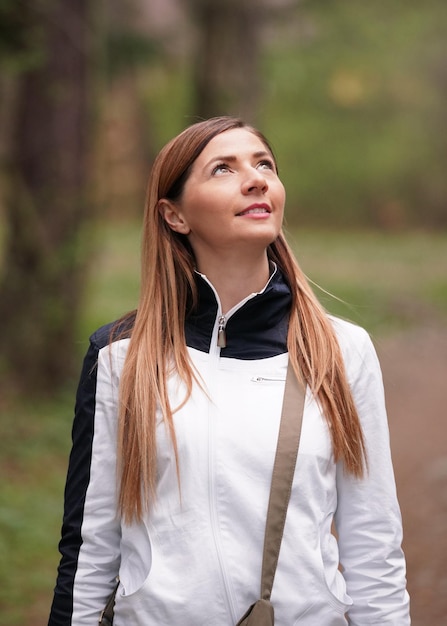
[236, 279]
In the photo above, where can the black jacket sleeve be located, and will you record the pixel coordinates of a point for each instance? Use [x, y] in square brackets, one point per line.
[78, 478]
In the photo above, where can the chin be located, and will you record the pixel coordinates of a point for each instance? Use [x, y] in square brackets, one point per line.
[262, 240]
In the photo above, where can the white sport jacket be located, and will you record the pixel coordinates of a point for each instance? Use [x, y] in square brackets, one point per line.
[196, 558]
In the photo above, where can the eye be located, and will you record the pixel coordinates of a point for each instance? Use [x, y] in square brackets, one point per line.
[219, 168]
[267, 164]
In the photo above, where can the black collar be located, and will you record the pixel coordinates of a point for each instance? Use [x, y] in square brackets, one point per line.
[257, 330]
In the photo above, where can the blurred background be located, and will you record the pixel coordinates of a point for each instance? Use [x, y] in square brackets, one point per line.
[353, 97]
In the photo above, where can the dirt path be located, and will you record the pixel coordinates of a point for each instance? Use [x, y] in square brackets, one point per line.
[415, 372]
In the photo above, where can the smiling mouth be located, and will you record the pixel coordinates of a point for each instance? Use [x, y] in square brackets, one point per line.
[255, 209]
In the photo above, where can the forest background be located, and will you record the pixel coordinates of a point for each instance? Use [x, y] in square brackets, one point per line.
[353, 97]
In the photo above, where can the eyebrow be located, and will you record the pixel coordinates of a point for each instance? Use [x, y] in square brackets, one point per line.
[231, 158]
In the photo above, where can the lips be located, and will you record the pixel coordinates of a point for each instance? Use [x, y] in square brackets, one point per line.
[255, 208]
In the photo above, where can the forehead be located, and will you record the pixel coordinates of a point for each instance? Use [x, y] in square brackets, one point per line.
[234, 142]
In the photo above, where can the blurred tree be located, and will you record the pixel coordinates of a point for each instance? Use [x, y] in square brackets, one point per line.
[227, 56]
[48, 198]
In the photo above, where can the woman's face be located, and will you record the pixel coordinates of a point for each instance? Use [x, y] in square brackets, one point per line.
[232, 199]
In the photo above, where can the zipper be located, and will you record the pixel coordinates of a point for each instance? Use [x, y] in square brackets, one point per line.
[221, 334]
[222, 319]
[267, 379]
[212, 486]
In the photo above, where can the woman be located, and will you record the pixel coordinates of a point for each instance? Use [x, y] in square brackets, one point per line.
[177, 418]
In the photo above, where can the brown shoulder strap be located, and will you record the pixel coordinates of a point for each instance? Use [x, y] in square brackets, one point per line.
[282, 477]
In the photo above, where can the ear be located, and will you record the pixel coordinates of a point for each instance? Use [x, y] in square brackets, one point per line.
[172, 215]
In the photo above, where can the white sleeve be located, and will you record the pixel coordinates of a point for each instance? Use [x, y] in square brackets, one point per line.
[368, 520]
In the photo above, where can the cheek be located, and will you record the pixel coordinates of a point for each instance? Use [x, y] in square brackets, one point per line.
[282, 195]
[278, 193]
[280, 204]
[203, 217]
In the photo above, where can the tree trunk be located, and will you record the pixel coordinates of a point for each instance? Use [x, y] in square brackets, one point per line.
[43, 269]
[227, 74]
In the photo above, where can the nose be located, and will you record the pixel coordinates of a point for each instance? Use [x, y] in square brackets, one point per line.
[254, 181]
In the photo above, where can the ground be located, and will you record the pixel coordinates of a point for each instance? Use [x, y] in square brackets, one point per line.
[414, 366]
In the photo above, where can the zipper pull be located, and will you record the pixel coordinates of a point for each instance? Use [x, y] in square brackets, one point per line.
[221, 335]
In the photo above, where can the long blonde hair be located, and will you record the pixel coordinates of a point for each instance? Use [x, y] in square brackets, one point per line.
[157, 343]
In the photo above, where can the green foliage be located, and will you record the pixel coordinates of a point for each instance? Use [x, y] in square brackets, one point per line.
[355, 98]
[168, 94]
[113, 285]
[127, 50]
[21, 36]
[384, 282]
[34, 444]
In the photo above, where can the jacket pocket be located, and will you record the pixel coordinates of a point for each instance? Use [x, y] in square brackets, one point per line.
[333, 580]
